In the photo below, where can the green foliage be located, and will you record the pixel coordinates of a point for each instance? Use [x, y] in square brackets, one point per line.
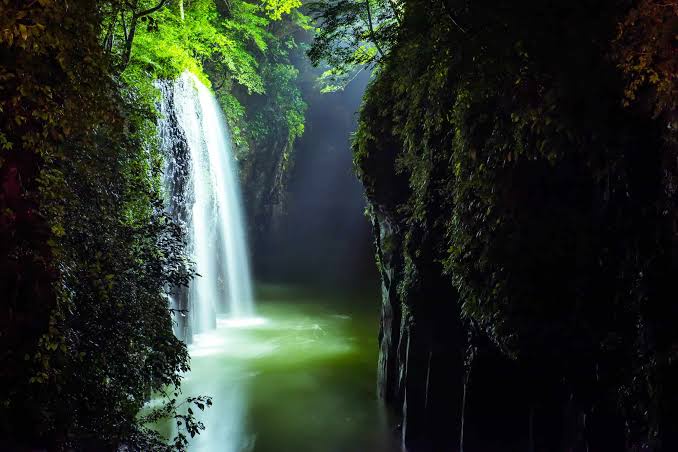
[354, 34]
[519, 170]
[644, 52]
[87, 252]
[283, 102]
[148, 439]
[276, 8]
[228, 49]
[202, 37]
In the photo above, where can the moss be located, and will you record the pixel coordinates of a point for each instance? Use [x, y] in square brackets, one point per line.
[515, 171]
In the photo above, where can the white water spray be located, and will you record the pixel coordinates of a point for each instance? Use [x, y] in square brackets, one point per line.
[204, 192]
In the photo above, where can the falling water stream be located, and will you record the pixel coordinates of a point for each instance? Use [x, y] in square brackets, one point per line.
[301, 376]
[201, 180]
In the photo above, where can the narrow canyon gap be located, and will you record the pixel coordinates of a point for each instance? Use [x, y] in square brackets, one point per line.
[338, 225]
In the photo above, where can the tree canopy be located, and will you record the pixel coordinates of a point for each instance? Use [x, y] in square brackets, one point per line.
[525, 152]
[87, 252]
[351, 36]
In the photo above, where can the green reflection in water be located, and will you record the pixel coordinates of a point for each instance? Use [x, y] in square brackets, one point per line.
[299, 378]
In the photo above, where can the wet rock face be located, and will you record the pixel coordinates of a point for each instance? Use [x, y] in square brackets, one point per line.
[420, 368]
[450, 388]
[564, 259]
[390, 367]
[447, 382]
[264, 177]
[450, 391]
[177, 171]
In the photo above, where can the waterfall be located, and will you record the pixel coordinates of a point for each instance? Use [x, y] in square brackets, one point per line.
[203, 193]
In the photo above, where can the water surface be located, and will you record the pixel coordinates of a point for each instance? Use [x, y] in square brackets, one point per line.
[299, 377]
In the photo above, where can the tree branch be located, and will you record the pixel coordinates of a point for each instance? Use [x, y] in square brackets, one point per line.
[396, 13]
[152, 10]
[369, 21]
[449, 14]
[108, 39]
[129, 38]
[124, 24]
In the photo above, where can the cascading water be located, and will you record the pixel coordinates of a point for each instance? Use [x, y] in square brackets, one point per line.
[204, 193]
[250, 364]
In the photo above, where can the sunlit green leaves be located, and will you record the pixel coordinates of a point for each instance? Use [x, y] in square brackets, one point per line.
[96, 255]
[276, 8]
[352, 35]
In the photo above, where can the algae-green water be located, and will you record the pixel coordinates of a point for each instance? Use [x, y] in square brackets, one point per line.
[299, 377]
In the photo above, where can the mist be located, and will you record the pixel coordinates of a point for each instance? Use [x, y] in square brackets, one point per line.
[324, 240]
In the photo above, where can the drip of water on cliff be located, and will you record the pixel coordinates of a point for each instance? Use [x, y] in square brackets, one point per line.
[203, 193]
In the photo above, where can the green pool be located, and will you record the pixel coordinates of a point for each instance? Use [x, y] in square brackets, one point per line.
[299, 377]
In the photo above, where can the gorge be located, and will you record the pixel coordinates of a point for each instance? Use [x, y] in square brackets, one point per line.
[338, 225]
